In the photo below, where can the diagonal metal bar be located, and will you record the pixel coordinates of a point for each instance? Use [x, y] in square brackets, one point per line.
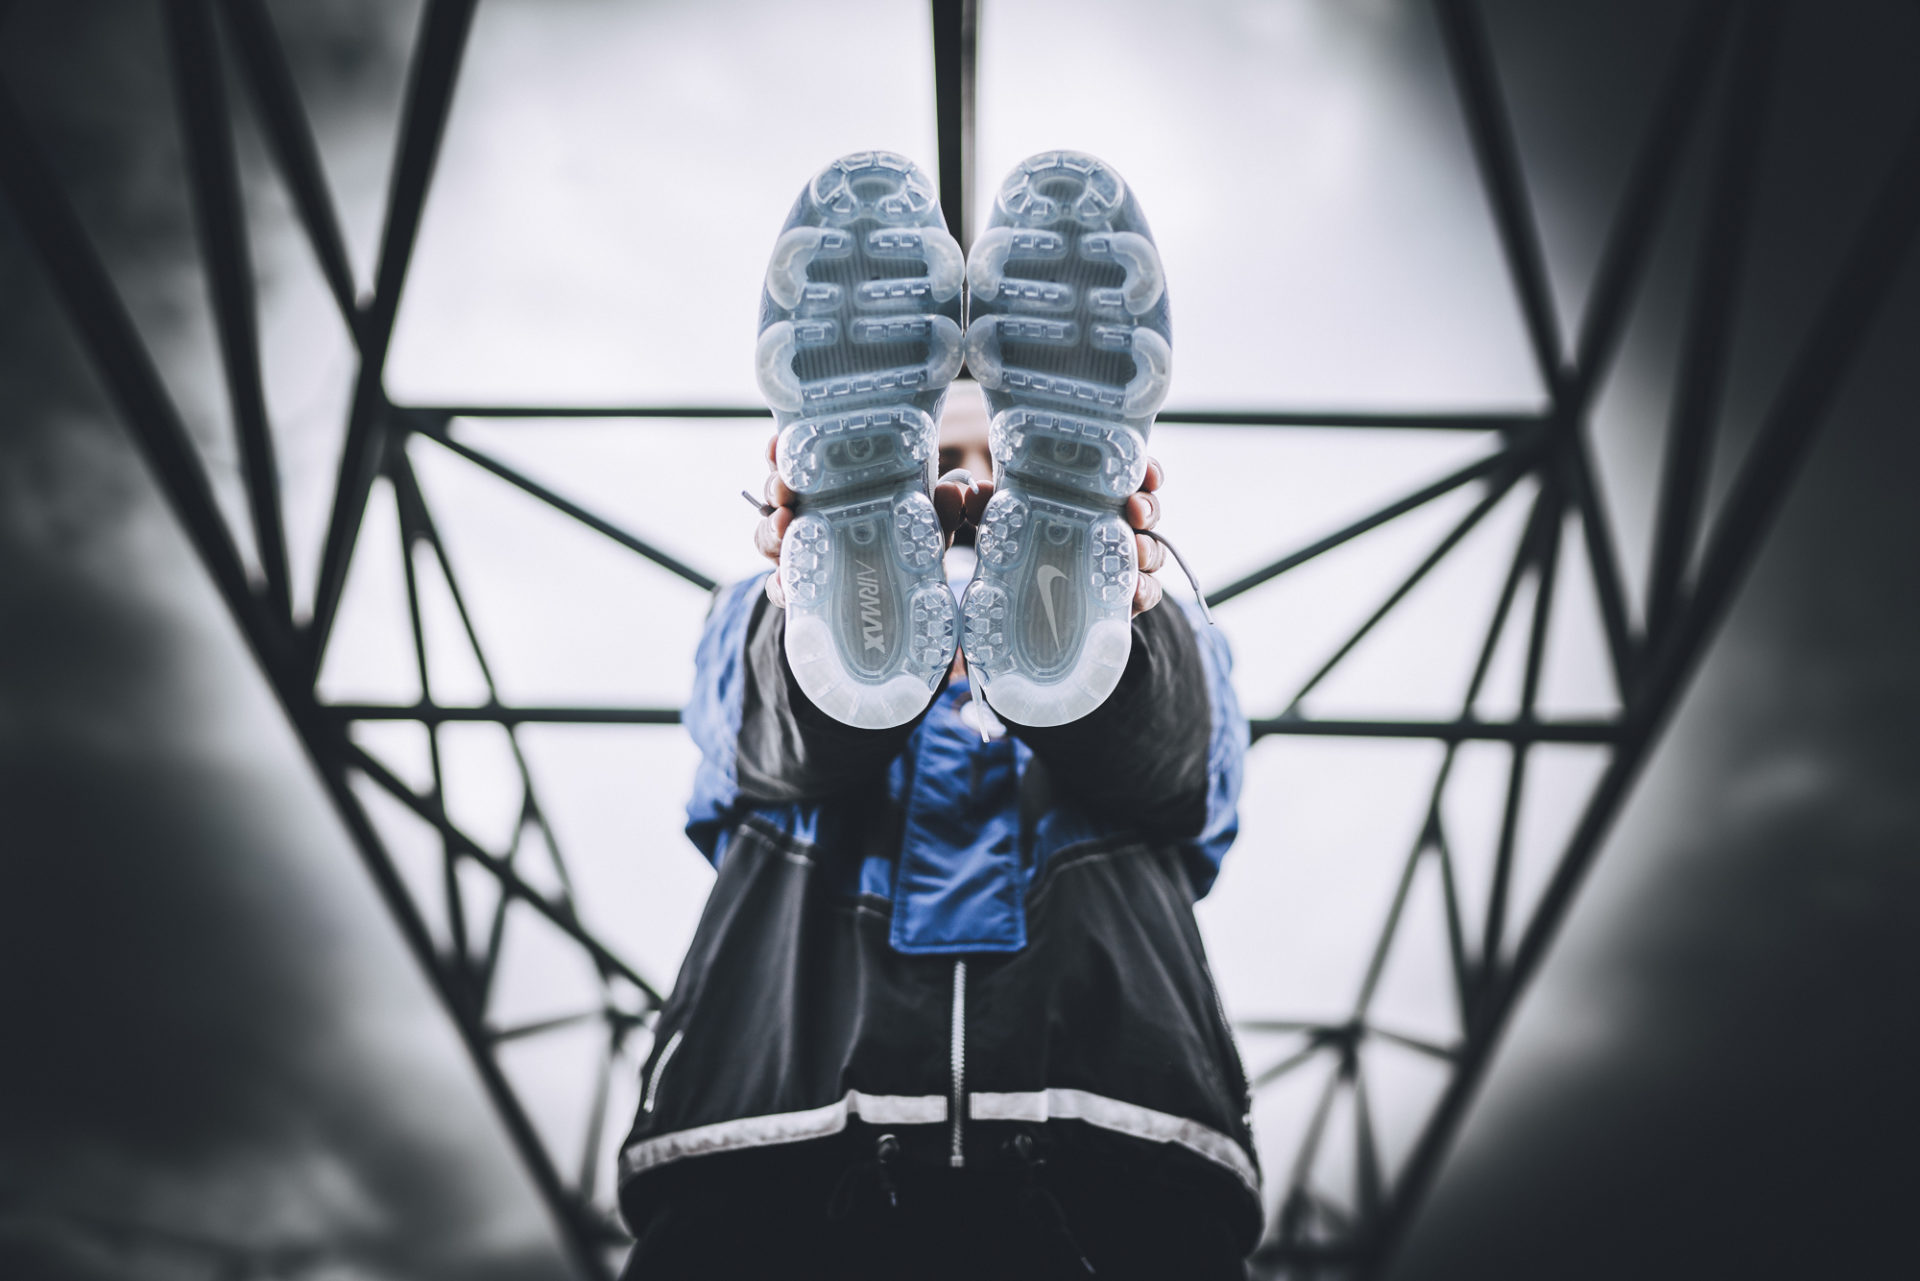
[1429, 837]
[1545, 572]
[134, 385]
[1297, 1197]
[1646, 196]
[410, 536]
[521, 1031]
[633, 542]
[1457, 958]
[590, 1162]
[956, 28]
[1814, 376]
[1368, 1179]
[429, 96]
[1648, 193]
[1392, 511]
[1288, 1064]
[199, 82]
[290, 140]
[1418, 1044]
[1470, 54]
[1580, 477]
[1706, 346]
[1390, 929]
[1648, 189]
[418, 518]
[559, 914]
[1497, 487]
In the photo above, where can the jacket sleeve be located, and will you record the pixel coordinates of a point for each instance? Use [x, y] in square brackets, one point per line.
[1167, 751]
[761, 740]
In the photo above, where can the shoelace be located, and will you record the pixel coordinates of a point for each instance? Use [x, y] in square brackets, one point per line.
[1193, 580]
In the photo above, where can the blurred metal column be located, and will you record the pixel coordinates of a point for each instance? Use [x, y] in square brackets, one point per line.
[956, 37]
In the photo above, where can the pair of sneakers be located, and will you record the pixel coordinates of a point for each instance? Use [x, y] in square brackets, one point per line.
[863, 326]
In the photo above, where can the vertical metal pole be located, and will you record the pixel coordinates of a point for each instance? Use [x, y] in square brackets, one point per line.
[956, 26]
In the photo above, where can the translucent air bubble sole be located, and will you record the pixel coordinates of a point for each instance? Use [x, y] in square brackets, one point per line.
[1068, 339]
[860, 338]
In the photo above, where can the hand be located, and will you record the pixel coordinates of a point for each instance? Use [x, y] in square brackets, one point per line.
[1142, 512]
[955, 497]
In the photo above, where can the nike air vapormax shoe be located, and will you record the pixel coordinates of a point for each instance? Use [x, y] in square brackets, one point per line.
[859, 337]
[1069, 338]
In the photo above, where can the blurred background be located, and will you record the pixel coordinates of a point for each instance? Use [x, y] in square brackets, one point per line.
[1542, 423]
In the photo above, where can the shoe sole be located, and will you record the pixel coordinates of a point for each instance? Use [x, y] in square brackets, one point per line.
[860, 338]
[1068, 338]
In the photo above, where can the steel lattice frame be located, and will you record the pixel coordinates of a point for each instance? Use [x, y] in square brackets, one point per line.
[1687, 596]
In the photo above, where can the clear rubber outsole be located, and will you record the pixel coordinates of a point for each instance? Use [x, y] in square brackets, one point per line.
[1068, 336]
[859, 339]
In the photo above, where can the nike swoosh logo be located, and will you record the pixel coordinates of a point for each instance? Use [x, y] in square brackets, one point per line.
[1048, 576]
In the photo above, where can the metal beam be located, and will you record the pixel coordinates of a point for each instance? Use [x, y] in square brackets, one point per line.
[1497, 487]
[1814, 376]
[289, 137]
[134, 385]
[1463, 31]
[1392, 511]
[220, 217]
[429, 97]
[632, 542]
[1707, 343]
[956, 36]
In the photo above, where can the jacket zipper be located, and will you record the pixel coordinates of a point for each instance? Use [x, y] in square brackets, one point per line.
[959, 1101]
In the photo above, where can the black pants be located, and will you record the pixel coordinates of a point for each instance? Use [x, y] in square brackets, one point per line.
[940, 1225]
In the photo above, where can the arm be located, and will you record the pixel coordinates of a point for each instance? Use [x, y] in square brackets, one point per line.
[761, 741]
[1166, 751]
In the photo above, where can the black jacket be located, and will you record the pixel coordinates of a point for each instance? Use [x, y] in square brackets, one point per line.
[925, 951]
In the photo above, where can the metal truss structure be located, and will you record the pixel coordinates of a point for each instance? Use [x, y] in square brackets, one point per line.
[1696, 566]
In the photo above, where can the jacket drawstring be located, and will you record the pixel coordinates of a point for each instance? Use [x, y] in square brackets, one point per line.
[875, 1173]
[1039, 1204]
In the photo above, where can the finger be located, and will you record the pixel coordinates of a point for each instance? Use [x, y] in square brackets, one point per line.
[949, 503]
[1151, 553]
[1146, 593]
[776, 590]
[1156, 476]
[977, 500]
[776, 491]
[771, 529]
[773, 450]
[1143, 510]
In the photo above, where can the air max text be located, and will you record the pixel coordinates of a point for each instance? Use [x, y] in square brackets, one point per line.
[868, 582]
